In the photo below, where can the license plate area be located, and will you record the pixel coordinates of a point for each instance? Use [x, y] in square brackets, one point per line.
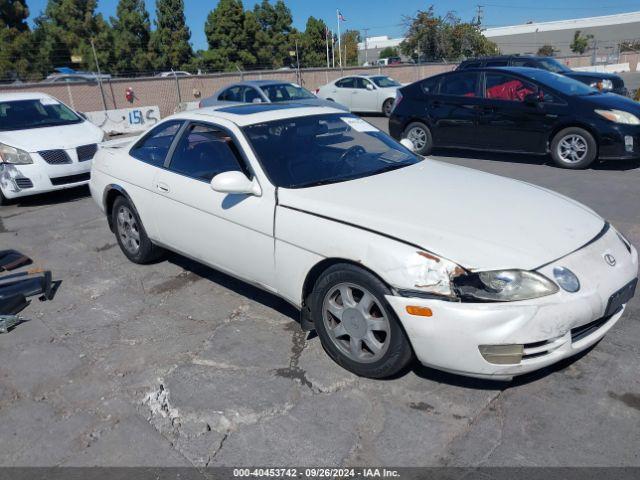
[621, 297]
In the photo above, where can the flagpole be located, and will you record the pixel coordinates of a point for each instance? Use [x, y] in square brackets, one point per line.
[333, 50]
[339, 40]
[326, 37]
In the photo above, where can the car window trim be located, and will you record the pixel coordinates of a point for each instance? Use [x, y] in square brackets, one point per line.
[149, 133]
[243, 161]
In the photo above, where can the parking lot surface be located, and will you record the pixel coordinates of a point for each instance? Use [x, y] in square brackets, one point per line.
[175, 364]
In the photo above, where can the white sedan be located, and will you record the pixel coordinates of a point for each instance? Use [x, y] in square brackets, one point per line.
[362, 93]
[387, 254]
[44, 145]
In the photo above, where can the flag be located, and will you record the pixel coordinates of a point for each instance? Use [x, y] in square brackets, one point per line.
[341, 17]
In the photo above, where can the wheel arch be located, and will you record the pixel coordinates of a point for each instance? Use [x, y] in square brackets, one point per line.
[111, 193]
[421, 120]
[573, 124]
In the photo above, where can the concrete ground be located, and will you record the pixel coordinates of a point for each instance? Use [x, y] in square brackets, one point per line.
[175, 364]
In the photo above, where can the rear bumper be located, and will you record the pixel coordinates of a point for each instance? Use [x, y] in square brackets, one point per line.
[549, 329]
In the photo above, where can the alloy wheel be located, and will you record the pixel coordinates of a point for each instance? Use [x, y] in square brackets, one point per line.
[128, 230]
[356, 322]
[573, 148]
[418, 137]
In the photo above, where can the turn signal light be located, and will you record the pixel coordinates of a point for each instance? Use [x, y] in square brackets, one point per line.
[419, 311]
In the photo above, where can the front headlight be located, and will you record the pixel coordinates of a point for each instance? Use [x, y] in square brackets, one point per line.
[619, 116]
[503, 286]
[602, 84]
[13, 155]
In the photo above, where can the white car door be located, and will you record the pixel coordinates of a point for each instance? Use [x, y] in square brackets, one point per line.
[343, 91]
[365, 96]
[228, 231]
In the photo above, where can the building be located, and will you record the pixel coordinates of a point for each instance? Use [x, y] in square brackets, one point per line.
[608, 32]
[369, 50]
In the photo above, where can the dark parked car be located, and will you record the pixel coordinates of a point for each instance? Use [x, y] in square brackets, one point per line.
[519, 110]
[607, 82]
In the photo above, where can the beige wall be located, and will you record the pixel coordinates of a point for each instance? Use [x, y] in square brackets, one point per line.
[163, 92]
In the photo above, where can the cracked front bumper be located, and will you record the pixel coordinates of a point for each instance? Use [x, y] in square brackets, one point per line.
[550, 328]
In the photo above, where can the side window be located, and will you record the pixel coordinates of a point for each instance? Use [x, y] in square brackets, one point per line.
[499, 86]
[153, 147]
[470, 65]
[460, 84]
[523, 62]
[346, 83]
[203, 152]
[497, 63]
[430, 85]
[250, 94]
[232, 94]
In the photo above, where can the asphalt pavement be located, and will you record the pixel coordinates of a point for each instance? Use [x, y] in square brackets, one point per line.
[176, 364]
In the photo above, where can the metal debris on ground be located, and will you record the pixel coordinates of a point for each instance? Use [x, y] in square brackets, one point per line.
[7, 322]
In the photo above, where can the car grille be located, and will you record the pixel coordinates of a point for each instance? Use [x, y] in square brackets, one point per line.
[583, 331]
[55, 157]
[86, 152]
[24, 183]
[82, 177]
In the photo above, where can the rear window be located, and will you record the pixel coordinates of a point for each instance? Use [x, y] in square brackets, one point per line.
[430, 85]
[36, 113]
[154, 147]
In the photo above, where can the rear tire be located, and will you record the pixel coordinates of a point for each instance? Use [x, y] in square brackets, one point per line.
[574, 148]
[362, 333]
[131, 235]
[387, 107]
[420, 136]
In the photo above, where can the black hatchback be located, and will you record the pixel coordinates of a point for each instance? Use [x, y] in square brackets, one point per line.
[515, 109]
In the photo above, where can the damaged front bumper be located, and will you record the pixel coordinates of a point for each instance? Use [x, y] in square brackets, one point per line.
[468, 338]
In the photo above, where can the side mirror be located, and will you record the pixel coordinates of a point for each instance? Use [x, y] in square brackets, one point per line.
[533, 99]
[369, 86]
[408, 144]
[235, 183]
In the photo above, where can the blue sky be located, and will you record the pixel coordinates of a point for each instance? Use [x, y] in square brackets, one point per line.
[384, 17]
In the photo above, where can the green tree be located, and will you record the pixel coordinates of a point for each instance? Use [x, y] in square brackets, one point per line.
[350, 40]
[131, 36]
[66, 30]
[546, 51]
[230, 36]
[314, 46]
[580, 42]
[388, 52]
[276, 37]
[170, 39]
[436, 38]
[15, 40]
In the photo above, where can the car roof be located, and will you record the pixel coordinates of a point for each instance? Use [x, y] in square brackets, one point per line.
[243, 114]
[260, 83]
[15, 96]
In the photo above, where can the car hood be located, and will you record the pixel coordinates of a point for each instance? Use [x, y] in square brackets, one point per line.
[602, 75]
[478, 220]
[50, 138]
[613, 101]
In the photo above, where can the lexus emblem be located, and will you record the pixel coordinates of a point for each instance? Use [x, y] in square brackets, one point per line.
[610, 259]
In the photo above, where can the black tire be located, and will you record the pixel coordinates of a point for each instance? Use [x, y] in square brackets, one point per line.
[396, 353]
[574, 159]
[145, 251]
[423, 132]
[387, 107]
[3, 200]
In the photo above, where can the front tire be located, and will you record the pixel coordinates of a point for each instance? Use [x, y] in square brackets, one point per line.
[574, 148]
[131, 235]
[420, 136]
[387, 107]
[357, 327]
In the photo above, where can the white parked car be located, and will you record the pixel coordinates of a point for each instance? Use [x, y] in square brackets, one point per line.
[362, 93]
[387, 254]
[44, 145]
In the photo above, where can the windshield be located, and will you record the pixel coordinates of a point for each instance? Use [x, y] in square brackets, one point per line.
[37, 113]
[563, 84]
[321, 149]
[553, 65]
[286, 92]
[385, 82]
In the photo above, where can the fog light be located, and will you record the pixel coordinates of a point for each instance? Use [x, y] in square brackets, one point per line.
[628, 143]
[566, 279]
[502, 354]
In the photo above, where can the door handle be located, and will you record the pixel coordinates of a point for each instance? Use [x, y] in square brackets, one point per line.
[163, 187]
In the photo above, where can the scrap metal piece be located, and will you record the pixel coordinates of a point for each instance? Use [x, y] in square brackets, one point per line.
[13, 305]
[12, 259]
[29, 285]
[7, 322]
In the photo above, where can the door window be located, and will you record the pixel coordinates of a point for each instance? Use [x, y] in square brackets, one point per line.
[361, 83]
[460, 84]
[205, 151]
[154, 146]
[505, 87]
[524, 62]
[497, 63]
[430, 85]
[233, 94]
[346, 83]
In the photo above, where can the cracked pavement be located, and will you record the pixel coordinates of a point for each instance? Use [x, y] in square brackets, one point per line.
[176, 364]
